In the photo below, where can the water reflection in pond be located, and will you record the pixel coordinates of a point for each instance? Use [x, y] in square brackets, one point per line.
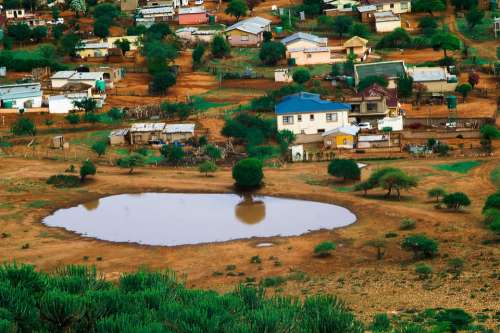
[182, 218]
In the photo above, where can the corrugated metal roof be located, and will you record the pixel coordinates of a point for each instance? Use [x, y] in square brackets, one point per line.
[87, 76]
[63, 75]
[305, 36]
[157, 10]
[253, 25]
[367, 8]
[87, 46]
[119, 132]
[389, 69]
[385, 16]
[309, 49]
[306, 103]
[24, 90]
[348, 129]
[192, 10]
[147, 127]
[179, 128]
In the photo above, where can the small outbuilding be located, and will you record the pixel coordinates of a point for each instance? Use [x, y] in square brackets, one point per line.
[145, 133]
[178, 132]
[118, 137]
[341, 137]
[386, 21]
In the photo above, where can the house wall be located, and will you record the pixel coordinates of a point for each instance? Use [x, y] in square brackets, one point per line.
[387, 26]
[339, 141]
[302, 43]
[283, 76]
[117, 140]
[439, 86]
[308, 126]
[132, 39]
[19, 102]
[395, 7]
[128, 5]
[170, 137]
[61, 106]
[310, 58]
[144, 137]
[58, 83]
[198, 18]
[15, 13]
[358, 50]
[88, 53]
[241, 38]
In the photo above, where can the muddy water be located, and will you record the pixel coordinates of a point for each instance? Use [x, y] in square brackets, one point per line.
[180, 218]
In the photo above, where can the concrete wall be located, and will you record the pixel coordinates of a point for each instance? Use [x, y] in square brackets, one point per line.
[18, 103]
[58, 83]
[86, 53]
[310, 58]
[311, 126]
[439, 86]
[396, 7]
[240, 38]
[388, 26]
[198, 18]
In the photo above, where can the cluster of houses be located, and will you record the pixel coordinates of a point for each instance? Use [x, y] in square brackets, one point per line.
[106, 47]
[152, 134]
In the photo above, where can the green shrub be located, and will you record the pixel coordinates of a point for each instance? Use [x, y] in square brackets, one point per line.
[407, 224]
[455, 319]
[207, 167]
[423, 271]
[343, 168]
[391, 235]
[421, 246]
[255, 260]
[456, 266]
[381, 323]
[456, 200]
[247, 173]
[272, 281]
[64, 181]
[324, 249]
[87, 169]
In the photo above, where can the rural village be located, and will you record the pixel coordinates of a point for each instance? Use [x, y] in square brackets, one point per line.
[250, 166]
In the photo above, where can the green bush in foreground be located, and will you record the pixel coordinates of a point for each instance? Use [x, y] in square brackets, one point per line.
[64, 181]
[76, 300]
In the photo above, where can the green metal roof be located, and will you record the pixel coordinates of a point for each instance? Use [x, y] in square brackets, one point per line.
[391, 69]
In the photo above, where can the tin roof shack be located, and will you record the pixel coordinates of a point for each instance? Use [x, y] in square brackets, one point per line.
[386, 21]
[306, 113]
[249, 32]
[357, 46]
[61, 78]
[366, 141]
[146, 133]
[118, 137]
[193, 15]
[435, 79]
[391, 70]
[394, 6]
[156, 14]
[20, 96]
[283, 75]
[178, 132]
[366, 13]
[341, 138]
[194, 35]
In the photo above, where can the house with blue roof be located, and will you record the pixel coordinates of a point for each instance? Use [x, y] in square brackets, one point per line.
[306, 113]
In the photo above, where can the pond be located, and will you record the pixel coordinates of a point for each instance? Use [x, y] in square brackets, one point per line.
[171, 219]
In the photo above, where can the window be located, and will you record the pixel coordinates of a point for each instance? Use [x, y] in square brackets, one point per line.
[244, 38]
[302, 132]
[309, 55]
[371, 107]
[311, 117]
[321, 130]
[331, 117]
[391, 5]
[344, 141]
[404, 5]
[287, 120]
[355, 108]
[379, 7]
[299, 118]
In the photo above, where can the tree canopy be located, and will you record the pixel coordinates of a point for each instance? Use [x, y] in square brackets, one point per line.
[23, 126]
[247, 173]
[474, 17]
[237, 8]
[301, 75]
[271, 52]
[446, 41]
[344, 168]
[456, 200]
[220, 47]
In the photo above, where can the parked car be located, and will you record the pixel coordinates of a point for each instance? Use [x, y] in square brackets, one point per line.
[198, 2]
[362, 126]
[60, 20]
[451, 124]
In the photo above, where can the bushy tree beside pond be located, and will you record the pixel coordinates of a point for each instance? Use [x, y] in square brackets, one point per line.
[248, 173]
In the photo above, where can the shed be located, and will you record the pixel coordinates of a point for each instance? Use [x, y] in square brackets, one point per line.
[341, 137]
[57, 142]
[178, 132]
[118, 137]
[143, 133]
[60, 104]
[386, 21]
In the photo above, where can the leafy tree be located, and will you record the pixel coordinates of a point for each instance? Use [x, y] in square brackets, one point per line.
[115, 114]
[463, 4]
[421, 246]
[324, 249]
[271, 52]
[371, 80]
[55, 13]
[491, 210]
[285, 138]
[341, 25]
[220, 47]
[39, 33]
[489, 132]
[464, 89]
[436, 192]
[131, 162]
[207, 167]
[21, 32]
[456, 319]
[100, 148]
[379, 245]
[397, 180]
[301, 75]
[203, 141]
[399, 38]
[429, 6]
[446, 41]
[198, 53]
[312, 7]
[101, 28]
[159, 55]
[159, 31]
[237, 8]
[123, 44]
[213, 152]
[405, 86]
[87, 169]
[57, 31]
[473, 79]
[343, 168]
[428, 25]
[73, 118]
[247, 173]
[173, 153]
[456, 200]
[78, 7]
[161, 82]
[474, 17]
[69, 43]
[381, 323]
[267, 36]
[360, 30]
[87, 104]
[23, 126]
[106, 10]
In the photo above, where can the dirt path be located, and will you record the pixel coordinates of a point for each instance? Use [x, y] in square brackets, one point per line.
[352, 273]
[485, 49]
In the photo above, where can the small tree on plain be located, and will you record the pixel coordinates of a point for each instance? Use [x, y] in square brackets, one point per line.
[173, 153]
[423, 271]
[379, 245]
[271, 53]
[421, 246]
[343, 168]
[100, 148]
[436, 192]
[213, 152]
[324, 249]
[87, 169]
[220, 47]
[456, 200]
[247, 173]
[23, 126]
[131, 162]
[207, 167]
[397, 180]
[73, 118]
[464, 89]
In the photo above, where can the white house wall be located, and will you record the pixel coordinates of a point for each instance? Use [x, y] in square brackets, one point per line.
[18, 103]
[308, 126]
[388, 26]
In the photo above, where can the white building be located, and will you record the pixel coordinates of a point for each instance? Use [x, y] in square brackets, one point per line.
[20, 96]
[15, 13]
[283, 75]
[158, 13]
[306, 113]
[435, 79]
[395, 6]
[386, 21]
[61, 78]
[63, 104]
